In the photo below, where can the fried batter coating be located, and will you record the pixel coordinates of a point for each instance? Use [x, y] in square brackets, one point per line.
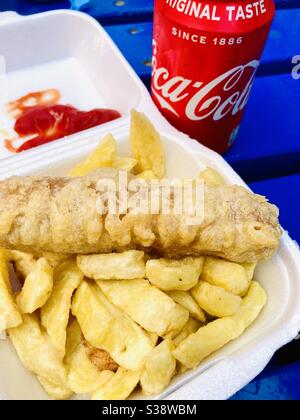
[44, 214]
[100, 358]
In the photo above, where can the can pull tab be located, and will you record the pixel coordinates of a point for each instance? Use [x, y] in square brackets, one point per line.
[8, 17]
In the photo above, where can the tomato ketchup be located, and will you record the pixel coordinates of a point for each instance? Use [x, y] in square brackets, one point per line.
[40, 118]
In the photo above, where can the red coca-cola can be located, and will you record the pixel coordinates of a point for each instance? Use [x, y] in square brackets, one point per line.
[205, 56]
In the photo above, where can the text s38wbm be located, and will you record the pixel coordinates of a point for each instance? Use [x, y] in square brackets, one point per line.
[133, 410]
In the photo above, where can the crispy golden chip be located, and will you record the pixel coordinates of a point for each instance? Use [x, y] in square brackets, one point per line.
[180, 368]
[117, 386]
[216, 334]
[190, 327]
[159, 368]
[106, 327]
[23, 263]
[215, 300]
[251, 306]
[56, 259]
[55, 314]
[124, 163]
[83, 375]
[73, 339]
[146, 145]
[212, 177]
[153, 337]
[250, 268]
[105, 377]
[180, 274]
[83, 363]
[5, 254]
[90, 310]
[9, 314]
[103, 156]
[205, 341]
[57, 392]
[186, 300]
[37, 287]
[229, 275]
[125, 265]
[37, 353]
[146, 175]
[146, 305]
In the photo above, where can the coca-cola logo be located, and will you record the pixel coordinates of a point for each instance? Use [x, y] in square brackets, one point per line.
[227, 93]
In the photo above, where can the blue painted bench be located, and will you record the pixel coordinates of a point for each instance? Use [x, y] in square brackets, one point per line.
[267, 151]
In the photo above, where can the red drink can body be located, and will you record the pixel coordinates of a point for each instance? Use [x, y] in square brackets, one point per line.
[205, 56]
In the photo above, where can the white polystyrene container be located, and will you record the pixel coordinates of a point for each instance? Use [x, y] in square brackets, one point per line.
[70, 51]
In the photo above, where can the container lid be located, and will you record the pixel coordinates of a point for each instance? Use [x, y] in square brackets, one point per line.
[69, 52]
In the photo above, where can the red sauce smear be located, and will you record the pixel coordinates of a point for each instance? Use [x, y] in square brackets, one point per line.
[38, 115]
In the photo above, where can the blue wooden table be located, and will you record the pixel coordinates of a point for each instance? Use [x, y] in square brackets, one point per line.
[267, 151]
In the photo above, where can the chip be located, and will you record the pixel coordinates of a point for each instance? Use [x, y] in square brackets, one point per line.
[146, 145]
[125, 265]
[154, 338]
[190, 327]
[229, 275]
[117, 386]
[37, 287]
[180, 274]
[145, 304]
[37, 353]
[23, 263]
[106, 327]
[196, 347]
[83, 376]
[212, 177]
[55, 313]
[124, 163]
[103, 156]
[73, 338]
[146, 175]
[215, 300]
[208, 339]
[251, 306]
[250, 268]
[9, 314]
[159, 368]
[186, 300]
[55, 391]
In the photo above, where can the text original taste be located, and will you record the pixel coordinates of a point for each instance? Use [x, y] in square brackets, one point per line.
[211, 12]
